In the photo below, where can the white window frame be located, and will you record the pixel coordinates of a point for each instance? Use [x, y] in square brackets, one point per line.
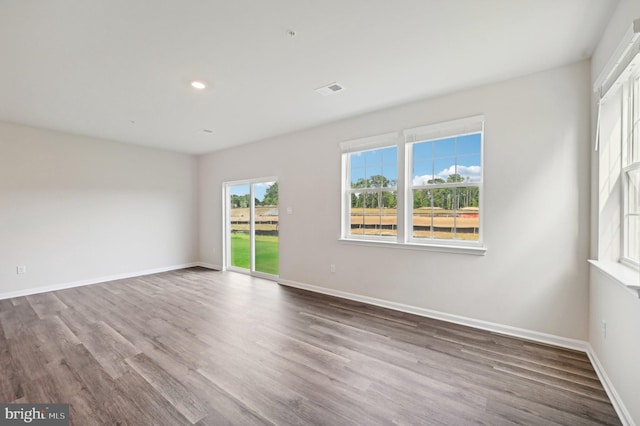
[404, 141]
[362, 145]
[450, 129]
[226, 226]
[630, 145]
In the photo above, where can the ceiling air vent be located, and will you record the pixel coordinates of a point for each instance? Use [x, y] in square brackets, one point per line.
[330, 89]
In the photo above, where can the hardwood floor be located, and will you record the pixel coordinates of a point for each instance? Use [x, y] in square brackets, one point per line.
[202, 347]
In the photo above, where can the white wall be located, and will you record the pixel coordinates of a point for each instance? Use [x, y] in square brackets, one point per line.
[74, 208]
[534, 275]
[619, 353]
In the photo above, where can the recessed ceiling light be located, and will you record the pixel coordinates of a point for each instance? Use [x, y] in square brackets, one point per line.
[198, 85]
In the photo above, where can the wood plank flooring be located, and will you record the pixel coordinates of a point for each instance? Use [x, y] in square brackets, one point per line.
[210, 348]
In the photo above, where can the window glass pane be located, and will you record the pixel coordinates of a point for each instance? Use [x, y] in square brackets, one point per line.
[469, 145]
[423, 213]
[632, 223]
[469, 157]
[451, 212]
[266, 227]
[467, 213]
[447, 213]
[469, 168]
[433, 213]
[374, 213]
[634, 153]
[445, 169]
[376, 168]
[633, 239]
[422, 172]
[633, 197]
[356, 221]
[239, 218]
[444, 159]
[444, 148]
[266, 256]
[448, 160]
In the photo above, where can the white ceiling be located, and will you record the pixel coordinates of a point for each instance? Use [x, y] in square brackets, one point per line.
[120, 70]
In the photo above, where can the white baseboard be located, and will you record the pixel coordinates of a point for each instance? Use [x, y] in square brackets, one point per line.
[210, 266]
[616, 401]
[549, 339]
[37, 290]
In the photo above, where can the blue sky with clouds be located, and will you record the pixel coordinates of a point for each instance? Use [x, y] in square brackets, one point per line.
[433, 159]
[444, 157]
[259, 189]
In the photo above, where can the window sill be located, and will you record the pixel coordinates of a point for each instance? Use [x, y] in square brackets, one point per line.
[477, 251]
[622, 274]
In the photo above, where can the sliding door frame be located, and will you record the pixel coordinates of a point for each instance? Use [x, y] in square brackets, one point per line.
[226, 226]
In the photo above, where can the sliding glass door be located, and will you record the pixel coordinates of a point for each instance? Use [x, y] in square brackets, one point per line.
[240, 226]
[252, 226]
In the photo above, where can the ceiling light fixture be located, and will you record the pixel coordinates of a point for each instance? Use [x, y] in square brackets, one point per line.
[198, 85]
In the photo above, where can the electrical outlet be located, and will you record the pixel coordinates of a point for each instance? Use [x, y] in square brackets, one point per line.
[604, 329]
[332, 268]
[21, 269]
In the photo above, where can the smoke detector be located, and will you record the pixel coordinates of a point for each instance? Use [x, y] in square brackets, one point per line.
[330, 89]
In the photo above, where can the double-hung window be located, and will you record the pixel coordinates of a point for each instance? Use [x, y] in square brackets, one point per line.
[419, 187]
[370, 188]
[619, 155]
[445, 181]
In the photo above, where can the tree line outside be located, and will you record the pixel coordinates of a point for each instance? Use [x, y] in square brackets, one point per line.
[243, 201]
[444, 198]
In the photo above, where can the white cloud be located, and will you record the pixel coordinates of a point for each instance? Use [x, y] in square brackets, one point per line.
[421, 180]
[469, 173]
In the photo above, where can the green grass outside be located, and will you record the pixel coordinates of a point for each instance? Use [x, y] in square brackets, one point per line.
[266, 252]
